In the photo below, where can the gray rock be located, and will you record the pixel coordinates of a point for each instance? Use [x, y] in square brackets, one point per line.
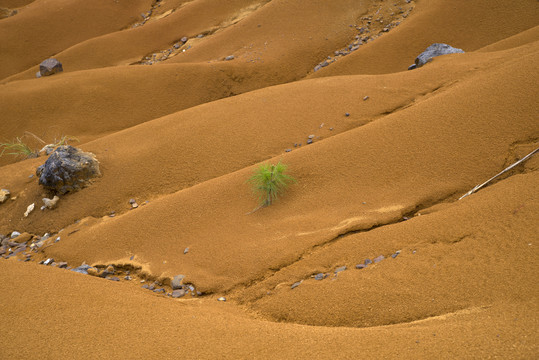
[14, 234]
[368, 261]
[159, 291]
[319, 276]
[4, 195]
[378, 259]
[113, 278]
[177, 282]
[338, 270]
[361, 266]
[178, 293]
[222, 298]
[229, 57]
[186, 250]
[412, 67]
[50, 67]
[48, 261]
[365, 98]
[184, 39]
[296, 284]
[433, 51]
[68, 169]
[83, 269]
[395, 254]
[176, 46]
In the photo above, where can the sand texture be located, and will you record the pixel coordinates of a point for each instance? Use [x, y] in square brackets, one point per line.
[369, 253]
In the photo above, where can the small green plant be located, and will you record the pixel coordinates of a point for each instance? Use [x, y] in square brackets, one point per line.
[269, 181]
[17, 148]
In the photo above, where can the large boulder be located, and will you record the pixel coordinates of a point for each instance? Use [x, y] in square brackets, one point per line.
[49, 67]
[433, 51]
[68, 169]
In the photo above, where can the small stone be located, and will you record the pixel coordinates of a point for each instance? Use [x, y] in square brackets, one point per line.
[4, 195]
[319, 276]
[317, 67]
[368, 261]
[338, 270]
[184, 39]
[128, 278]
[309, 141]
[288, 150]
[186, 250]
[62, 265]
[296, 284]
[83, 269]
[229, 57]
[48, 261]
[112, 214]
[151, 287]
[145, 286]
[176, 46]
[50, 203]
[57, 239]
[361, 266]
[159, 291]
[378, 259]
[132, 257]
[365, 98]
[29, 209]
[222, 298]
[200, 36]
[347, 114]
[311, 136]
[395, 254]
[412, 67]
[113, 278]
[134, 206]
[177, 282]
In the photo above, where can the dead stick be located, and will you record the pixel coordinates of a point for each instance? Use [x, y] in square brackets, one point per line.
[502, 172]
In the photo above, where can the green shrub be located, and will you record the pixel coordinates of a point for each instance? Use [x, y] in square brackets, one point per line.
[269, 181]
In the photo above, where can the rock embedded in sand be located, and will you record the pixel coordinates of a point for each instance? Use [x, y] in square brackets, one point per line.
[229, 57]
[435, 50]
[68, 169]
[378, 259]
[83, 269]
[338, 270]
[50, 67]
[296, 284]
[4, 195]
[177, 282]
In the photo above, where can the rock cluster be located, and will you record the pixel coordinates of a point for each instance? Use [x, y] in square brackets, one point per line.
[68, 169]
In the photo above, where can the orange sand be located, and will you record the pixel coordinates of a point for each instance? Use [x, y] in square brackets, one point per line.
[186, 133]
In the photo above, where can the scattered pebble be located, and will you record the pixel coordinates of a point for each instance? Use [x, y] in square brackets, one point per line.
[309, 141]
[29, 209]
[296, 284]
[4, 195]
[378, 259]
[396, 254]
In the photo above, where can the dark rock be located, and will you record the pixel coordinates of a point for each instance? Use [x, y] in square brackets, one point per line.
[178, 293]
[296, 284]
[412, 67]
[368, 261]
[338, 270]
[68, 169]
[347, 114]
[378, 259]
[319, 276]
[50, 67]
[83, 269]
[177, 282]
[361, 266]
[435, 50]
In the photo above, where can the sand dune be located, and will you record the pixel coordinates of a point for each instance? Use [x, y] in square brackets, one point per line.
[182, 131]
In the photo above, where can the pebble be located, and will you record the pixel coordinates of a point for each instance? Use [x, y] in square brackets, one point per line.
[365, 98]
[113, 278]
[368, 261]
[178, 293]
[184, 39]
[379, 258]
[309, 141]
[4, 195]
[395, 254]
[186, 250]
[288, 150]
[296, 284]
[177, 282]
[319, 276]
[311, 136]
[159, 291]
[347, 114]
[48, 261]
[145, 286]
[222, 298]
[176, 46]
[29, 209]
[229, 57]
[361, 266]
[338, 270]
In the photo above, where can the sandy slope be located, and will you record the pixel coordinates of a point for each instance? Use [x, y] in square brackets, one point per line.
[172, 134]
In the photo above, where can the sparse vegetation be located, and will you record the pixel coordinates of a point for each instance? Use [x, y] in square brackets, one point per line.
[21, 148]
[269, 182]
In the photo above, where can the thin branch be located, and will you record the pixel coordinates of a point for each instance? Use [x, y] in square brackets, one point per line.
[502, 172]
